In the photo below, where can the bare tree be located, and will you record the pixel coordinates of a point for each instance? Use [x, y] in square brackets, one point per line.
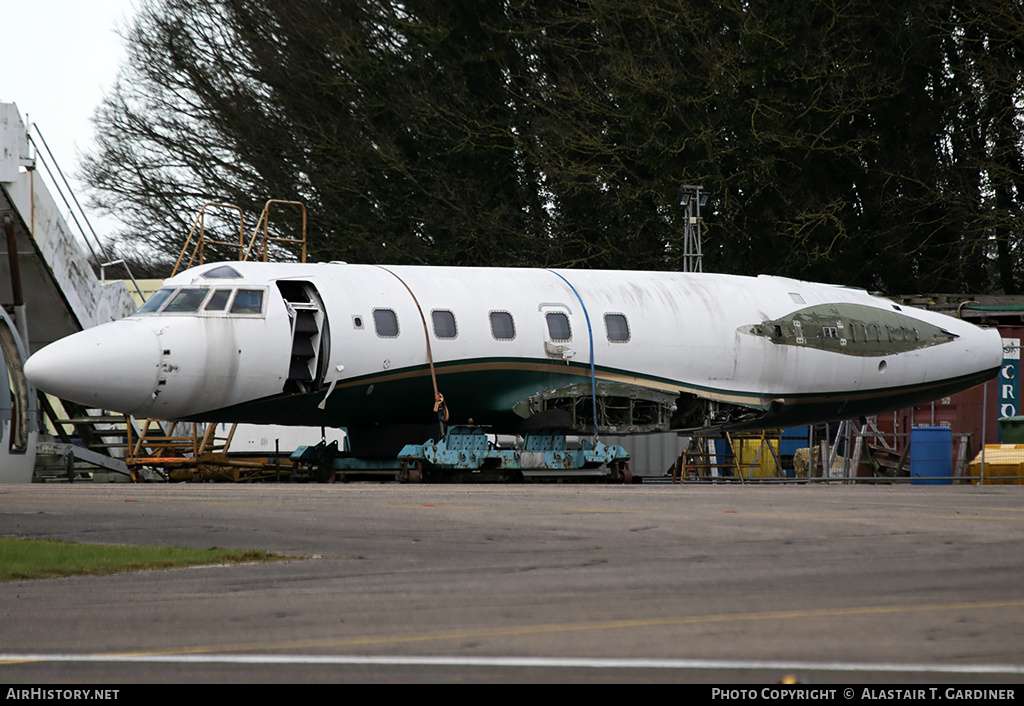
[846, 141]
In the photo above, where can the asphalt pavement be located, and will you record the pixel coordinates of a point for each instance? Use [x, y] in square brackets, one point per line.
[527, 583]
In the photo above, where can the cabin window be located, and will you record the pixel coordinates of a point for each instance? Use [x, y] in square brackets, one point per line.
[248, 301]
[218, 300]
[444, 323]
[385, 321]
[617, 328]
[186, 301]
[155, 301]
[558, 326]
[502, 326]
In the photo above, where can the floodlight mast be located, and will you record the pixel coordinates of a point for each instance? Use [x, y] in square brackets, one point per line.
[691, 198]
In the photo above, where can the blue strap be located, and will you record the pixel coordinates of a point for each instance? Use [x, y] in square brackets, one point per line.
[590, 334]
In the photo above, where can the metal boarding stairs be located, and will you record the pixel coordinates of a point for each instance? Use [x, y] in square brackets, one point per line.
[48, 287]
[87, 441]
[192, 451]
[51, 291]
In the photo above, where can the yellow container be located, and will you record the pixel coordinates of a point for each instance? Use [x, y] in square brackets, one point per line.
[758, 465]
[1004, 465]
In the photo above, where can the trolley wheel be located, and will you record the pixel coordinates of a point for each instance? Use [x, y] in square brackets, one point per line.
[621, 474]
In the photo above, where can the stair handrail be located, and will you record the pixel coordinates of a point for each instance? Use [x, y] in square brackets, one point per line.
[265, 241]
[67, 186]
[200, 223]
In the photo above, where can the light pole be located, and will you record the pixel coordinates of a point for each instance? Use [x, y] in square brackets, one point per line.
[692, 198]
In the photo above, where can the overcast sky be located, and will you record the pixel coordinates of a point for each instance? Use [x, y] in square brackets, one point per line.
[60, 57]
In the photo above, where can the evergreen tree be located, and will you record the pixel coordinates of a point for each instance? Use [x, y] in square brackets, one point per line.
[843, 141]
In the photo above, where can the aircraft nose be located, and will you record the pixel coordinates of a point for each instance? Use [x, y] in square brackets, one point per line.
[994, 345]
[982, 348]
[114, 366]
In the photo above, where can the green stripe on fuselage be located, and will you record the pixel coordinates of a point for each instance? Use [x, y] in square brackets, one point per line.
[486, 390]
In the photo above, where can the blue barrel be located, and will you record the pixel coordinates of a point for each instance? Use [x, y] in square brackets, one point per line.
[931, 455]
[724, 454]
[792, 439]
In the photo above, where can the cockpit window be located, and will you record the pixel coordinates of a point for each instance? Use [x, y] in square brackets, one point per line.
[155, 301]
[186, 301]
[223, 301]
[222, 272]
[218, 300]
[248, 301]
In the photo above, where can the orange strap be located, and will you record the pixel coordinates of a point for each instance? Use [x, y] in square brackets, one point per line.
[440, 408]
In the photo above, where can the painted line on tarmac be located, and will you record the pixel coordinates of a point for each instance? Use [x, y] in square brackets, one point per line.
[545, 662]
[201, 652]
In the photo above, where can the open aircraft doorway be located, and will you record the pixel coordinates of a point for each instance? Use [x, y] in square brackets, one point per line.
[309, 335]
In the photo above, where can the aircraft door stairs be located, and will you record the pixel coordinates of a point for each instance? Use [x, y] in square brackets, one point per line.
[309, 344]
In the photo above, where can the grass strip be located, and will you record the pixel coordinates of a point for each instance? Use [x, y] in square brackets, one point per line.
[22, 559]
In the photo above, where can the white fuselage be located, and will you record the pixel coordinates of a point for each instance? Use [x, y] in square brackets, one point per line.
[354, 339]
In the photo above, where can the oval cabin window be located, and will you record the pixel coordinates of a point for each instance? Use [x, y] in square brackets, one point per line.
[617, 327]
[444, 323]
[558, 326]
[385, 321]
[502, 326]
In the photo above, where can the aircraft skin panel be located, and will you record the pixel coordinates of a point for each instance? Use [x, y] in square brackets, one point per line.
[499, 335]
[405, 396]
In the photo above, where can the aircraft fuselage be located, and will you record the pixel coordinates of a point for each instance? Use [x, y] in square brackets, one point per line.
[334, 344]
